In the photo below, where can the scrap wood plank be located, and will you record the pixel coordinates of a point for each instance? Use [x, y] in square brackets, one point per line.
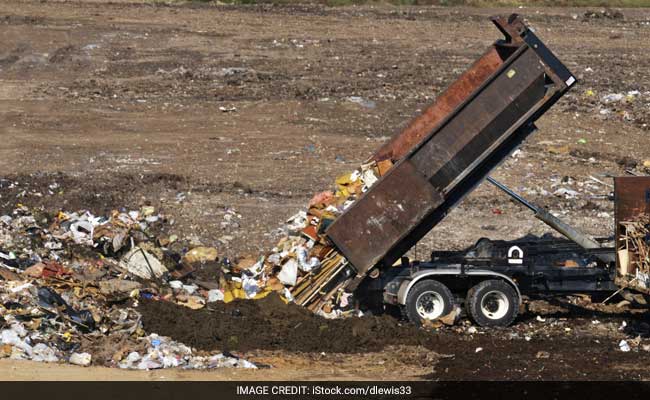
[315, 279]
[328, 280]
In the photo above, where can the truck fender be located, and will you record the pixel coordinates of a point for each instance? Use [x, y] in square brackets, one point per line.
[407, 284]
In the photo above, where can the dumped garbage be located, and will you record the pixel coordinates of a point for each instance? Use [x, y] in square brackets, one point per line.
[82, 359]
[161, 352]
[624, 346]
[74, 280]
[71, 282]
[200, 254]
[634, 252]
[142, 264]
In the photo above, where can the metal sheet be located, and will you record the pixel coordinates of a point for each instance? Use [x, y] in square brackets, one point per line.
[489, 115]
[402, 143]
[632, 197]
[382, 217]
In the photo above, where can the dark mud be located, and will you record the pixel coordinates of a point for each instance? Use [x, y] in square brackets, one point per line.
[270, 324]
[547, 359]
[572, 350]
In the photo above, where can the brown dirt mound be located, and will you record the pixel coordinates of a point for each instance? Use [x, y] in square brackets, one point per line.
[270, 324]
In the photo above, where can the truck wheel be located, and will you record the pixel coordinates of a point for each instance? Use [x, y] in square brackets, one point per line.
[493, 303]
[428, 300]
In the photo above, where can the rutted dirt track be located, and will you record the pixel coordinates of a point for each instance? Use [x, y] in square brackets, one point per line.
[198, 109]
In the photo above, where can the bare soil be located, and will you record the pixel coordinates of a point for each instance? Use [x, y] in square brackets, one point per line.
[198, 109]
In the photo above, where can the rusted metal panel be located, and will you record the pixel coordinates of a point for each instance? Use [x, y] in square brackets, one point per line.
[445, 153]
[402, 143]
[632, 197]
[462, 139]
[382, 217]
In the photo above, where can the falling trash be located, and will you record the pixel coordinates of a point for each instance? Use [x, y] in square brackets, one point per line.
[289, 273]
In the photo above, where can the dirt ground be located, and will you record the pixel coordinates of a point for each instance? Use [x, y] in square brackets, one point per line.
[201, 109]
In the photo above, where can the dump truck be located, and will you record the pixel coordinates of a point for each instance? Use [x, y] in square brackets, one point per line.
[438, 159]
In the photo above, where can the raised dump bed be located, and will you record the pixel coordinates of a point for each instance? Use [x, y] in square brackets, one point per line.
[451, 147]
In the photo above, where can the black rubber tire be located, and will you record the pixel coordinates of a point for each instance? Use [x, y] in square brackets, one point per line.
[476, 294]
[427, 286]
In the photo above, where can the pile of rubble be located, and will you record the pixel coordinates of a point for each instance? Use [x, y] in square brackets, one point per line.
[634, 252]
[305, 260]
[71, 280]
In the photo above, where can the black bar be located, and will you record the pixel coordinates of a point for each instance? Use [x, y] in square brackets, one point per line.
[549, 58]
[305, 390]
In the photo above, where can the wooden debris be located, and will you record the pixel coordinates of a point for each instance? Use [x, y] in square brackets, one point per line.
[634, 245]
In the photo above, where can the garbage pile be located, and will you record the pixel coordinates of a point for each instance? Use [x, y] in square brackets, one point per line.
[72, 280]
[634, 251]
[305, 261]
[69, 284]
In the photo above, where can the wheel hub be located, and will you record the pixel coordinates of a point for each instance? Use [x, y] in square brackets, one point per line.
[495, 305]
[430, 305]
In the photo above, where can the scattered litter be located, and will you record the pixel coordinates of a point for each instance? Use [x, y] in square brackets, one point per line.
[201, 255]
[566, 193]
[624, 346]
[361, 101]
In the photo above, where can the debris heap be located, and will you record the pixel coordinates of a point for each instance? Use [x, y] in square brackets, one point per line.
[305, 260]
[72, 281]
[634, 252]
[70, 286]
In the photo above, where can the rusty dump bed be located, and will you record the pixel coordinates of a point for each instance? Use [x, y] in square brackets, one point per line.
[452, 146]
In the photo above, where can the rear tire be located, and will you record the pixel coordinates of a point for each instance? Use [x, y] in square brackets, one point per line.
[428, 300]
[493, 303]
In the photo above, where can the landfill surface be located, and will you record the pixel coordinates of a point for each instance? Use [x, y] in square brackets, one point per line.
[135, 132]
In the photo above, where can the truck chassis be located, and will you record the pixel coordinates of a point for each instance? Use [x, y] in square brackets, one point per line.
[491, 277]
